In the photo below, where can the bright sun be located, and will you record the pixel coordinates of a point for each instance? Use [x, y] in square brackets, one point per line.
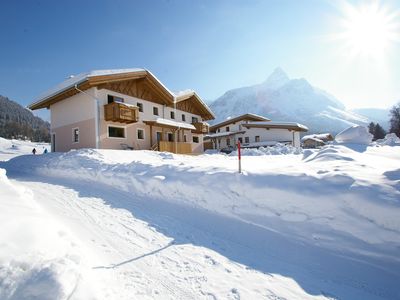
[369, 30]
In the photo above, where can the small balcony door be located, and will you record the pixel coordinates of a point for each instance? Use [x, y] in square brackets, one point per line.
[159, 136]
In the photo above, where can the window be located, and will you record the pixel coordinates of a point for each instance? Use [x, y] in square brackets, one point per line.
[75, 135]
[257, 139]
[155, 111]
[240, 140]
[228, 141]
[218, 130]
[183, 118]
[170, 137]
[195, 120]
[172, 115]
[240, 127]
[140, 134]
[195, 139]
[116, 132]
[111, 99]
[184, 138]
[246, 139]
[227, 128]
[140, 105]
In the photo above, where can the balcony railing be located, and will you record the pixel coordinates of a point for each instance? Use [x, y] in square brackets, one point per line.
[175, 147]
[201, 127]
[120, 112]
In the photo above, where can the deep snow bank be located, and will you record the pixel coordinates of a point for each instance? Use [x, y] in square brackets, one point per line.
[39, 259]
[354, 135]
[347, 191]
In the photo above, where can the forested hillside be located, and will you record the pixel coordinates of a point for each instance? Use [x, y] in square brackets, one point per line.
[19, 122]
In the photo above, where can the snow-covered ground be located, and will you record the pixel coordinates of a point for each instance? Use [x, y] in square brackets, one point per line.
[104, 224]
[12, 148]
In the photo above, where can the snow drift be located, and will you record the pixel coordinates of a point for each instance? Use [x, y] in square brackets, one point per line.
[319, 225]
[354, 135]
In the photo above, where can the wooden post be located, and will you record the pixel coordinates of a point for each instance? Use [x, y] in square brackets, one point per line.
[151, 136]
[239, 156]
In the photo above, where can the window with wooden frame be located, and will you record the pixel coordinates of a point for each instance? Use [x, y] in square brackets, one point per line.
[172, 114]
[140, 106]
[195, 139]
[116, 132]
[183, 117]
[246, 139]
[75, 135]
[257, 139]
[111, 99]
[140, 134]
[155, 110]
[227, 128]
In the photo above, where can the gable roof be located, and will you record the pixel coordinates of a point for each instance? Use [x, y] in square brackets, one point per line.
[248, 116]
[95, 78]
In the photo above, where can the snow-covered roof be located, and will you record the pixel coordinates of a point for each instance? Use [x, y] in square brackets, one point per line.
[273, 124]
[248, 116]
[310, 138]
[319, 136]
[94, 78]
[222, 134]
[171, 123]
[77, 79]
[261, 144]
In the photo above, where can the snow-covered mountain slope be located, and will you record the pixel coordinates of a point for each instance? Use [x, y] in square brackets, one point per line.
[282, 99]
[146, 225]
[376, 115]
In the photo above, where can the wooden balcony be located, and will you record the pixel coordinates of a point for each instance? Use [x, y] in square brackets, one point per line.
[201, 127]
[120, 112]
[175, 147]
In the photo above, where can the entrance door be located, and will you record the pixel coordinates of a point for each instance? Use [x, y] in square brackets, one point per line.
[159, 136]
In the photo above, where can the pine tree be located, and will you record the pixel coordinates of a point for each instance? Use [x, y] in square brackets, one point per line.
[379, 132]
[371, 128]
[395, 120]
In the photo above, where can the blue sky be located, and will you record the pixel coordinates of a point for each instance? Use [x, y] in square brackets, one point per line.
[210, 46]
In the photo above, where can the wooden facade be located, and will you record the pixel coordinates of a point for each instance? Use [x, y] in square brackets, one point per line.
[201, 127]
[175, 147]
[119, 112]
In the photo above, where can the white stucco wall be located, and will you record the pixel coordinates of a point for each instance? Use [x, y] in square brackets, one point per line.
[147, 115]
[77, 108]
[266, 135]
[77, 111]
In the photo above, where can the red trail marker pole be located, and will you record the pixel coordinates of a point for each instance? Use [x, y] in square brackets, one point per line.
[240, 157]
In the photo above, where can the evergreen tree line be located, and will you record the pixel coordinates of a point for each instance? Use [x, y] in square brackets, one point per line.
[379, 133]
[19, 123]
[395, 119]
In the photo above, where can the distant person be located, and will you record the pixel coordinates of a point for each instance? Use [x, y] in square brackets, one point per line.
[45, 151]
[34, 151]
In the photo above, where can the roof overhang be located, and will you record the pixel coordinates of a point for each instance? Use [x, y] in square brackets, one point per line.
[192, 96]
[223, 134]
[246, 117]
[276, 125]
[160, 122]
[102, 78]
